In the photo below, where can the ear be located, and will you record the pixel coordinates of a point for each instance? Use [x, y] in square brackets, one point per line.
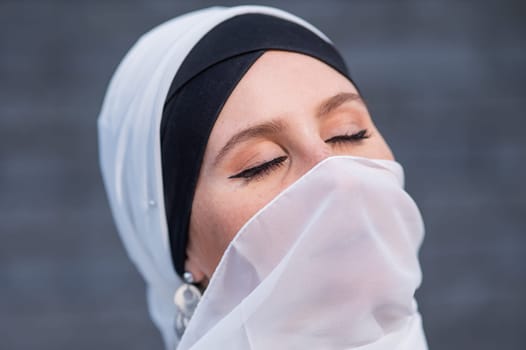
[192, 264]
[192, 267]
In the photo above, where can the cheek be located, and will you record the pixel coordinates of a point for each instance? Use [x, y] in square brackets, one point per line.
[232, 209]
[216, 218]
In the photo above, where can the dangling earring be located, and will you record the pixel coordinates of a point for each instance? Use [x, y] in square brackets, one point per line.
[186, 298]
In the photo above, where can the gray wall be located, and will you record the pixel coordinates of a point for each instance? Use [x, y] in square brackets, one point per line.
[445, 81]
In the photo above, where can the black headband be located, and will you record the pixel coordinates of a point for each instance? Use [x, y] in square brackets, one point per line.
[198, 92]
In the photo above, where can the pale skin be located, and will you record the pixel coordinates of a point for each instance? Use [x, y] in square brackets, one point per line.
[289, 112]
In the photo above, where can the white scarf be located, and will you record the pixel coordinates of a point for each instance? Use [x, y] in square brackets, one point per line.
[330, 263]
[129, 144]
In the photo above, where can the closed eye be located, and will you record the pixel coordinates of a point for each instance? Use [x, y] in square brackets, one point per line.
[260, 170]
[266, 168]
[358, 136]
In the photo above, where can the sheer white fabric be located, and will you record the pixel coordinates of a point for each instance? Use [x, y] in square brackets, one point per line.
[129, 147]
[330, 263]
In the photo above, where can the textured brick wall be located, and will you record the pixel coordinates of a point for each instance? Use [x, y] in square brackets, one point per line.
[445, 81]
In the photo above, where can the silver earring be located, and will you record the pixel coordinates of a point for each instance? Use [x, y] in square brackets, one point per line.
[186, 298]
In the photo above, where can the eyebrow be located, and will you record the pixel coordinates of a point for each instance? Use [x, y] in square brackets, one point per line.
[275, 126]
[336, 101]
[260, 130]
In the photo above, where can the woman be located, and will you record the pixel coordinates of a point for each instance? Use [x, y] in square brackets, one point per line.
[241, 162]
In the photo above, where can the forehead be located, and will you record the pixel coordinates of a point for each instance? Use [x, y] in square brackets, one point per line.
[278, 84]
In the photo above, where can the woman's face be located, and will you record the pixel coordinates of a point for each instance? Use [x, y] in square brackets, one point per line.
[289, 112]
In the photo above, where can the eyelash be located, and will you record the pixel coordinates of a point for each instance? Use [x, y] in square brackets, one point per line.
[358, 136]
[261, 170]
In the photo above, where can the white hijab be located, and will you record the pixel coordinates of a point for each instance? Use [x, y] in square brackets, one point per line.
[233, 313]
[129, 144]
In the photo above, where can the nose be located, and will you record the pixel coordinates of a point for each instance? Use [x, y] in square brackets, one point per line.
[314, 152]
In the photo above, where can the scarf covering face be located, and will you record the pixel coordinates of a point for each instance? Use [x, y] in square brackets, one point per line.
[330, 263]
[130, 139]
